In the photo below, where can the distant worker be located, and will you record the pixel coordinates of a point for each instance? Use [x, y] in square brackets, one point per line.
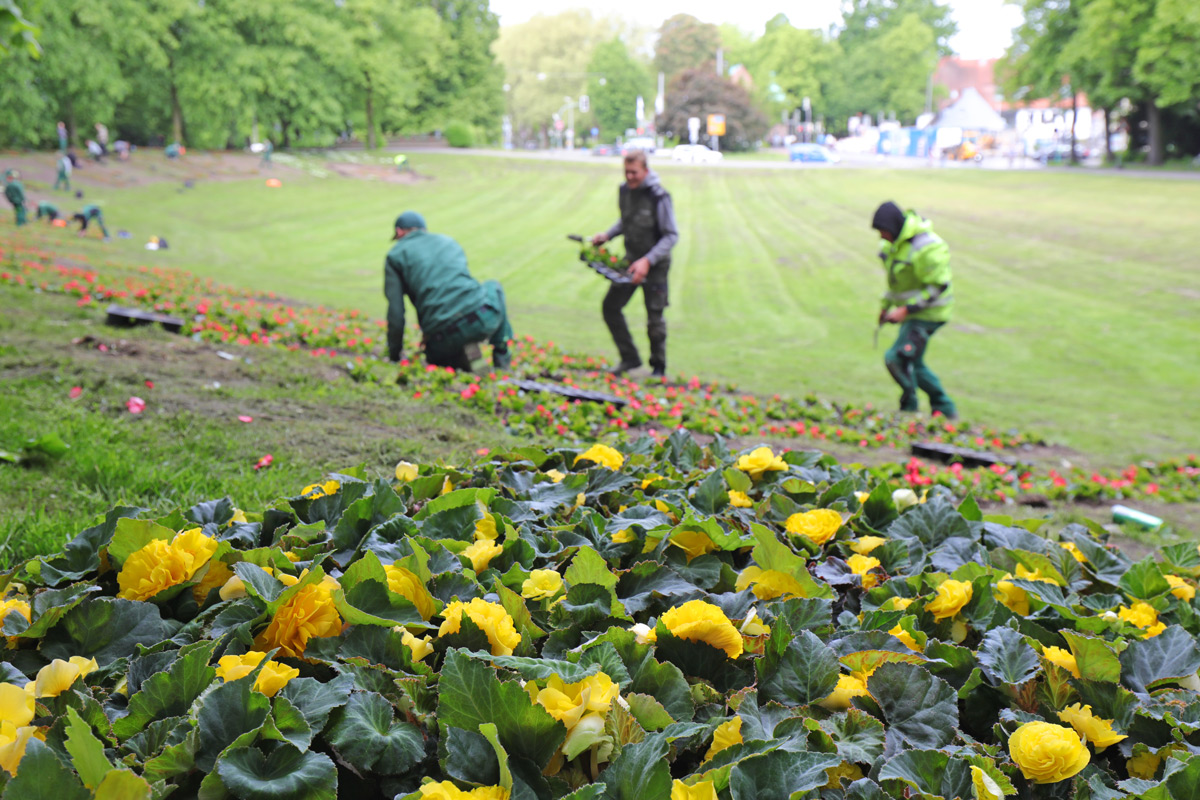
[173, 151]
[454, 310]
[14, 192]
[122, 148]
[919, 299]
[401, 162]
[48, 210]
[62, 175]
[648, 224]
[268, 149]
[95, 151]
[89, 214]
[102, 136]
[61, 129]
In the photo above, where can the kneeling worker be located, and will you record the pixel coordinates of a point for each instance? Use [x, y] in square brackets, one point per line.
[454, 310]
[89, 214]
[919, 300]
[14, 192]
[648, 224]
[48, 210]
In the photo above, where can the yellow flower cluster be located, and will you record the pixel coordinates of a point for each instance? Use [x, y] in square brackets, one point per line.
[848, 687]
[760, 461]
[1047, 753]
[1142, 615]
[952, 596]
[1062, 658]
[481, 552]
[861, 566]
[727, 734]
[17, 705]
[1181, 588]
[573, 703]
[739, 499]
[446, 790]
[406, 471]
[270, 680]
[700, 621]
[491, 618]
[693, 543]
[406, 584]
[863, 545]
[603, 455]
[700, 790]
[307, 614]
[819, 525]
[315, 490]
[542, 584]
[769, 583]
[160, 564]
[1096, 730]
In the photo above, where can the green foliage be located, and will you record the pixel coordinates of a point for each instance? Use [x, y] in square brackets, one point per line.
[685, 43]
[614, 102]
[698, 93]
[460, 134]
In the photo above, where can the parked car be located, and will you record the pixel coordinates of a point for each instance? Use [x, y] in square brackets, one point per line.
[604, 150]
[643, 143]
[696, 154]
[812, 153]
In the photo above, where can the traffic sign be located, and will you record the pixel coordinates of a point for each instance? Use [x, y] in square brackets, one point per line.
[716, 124]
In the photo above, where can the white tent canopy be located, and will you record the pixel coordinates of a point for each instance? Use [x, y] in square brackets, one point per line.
[970, 112]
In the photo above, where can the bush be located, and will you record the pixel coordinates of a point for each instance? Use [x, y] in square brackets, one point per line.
[460, 134]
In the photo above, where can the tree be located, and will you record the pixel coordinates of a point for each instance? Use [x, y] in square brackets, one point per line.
[1168, 61]
[16, 31]
[1044, 60]
[801, 63]
[463, 79]
[685, 42]
[700, 92]
[614, 102]
[888, 72]
[865, 19]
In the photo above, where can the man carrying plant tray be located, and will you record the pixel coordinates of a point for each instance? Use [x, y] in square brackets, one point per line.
[918, 299]
[454, 310]
[648, 224]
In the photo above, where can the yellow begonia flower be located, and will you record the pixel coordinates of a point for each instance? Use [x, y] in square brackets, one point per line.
[1096, 730]
[1011, 596]
[848, 686]
[604, 455]
[160, 564]
[903, 498]
[238, 518]
[274, 677]
[271, 678]
[1144, 765]
[760, 461]
[555, 475]
[649, 479]
[446, 790]
[863, 545]
[570, 702]
[1062, 658]
[819, 525]
[316, 490]
[307, 614]
[1141, 615]
[769, 583]
[1047, 753]
[481, 553]
[491, 618]
[13, 741]
[1071, 548]
[862, 565]
[862, 497]
[16, 705]
[485, 528]
[644, 634]
[541, 584]
[702, 790]
[897, 603]
[232, 668]
[754, 626]
[1033, 575]
[845, 770]
[623, 536]
[216, 576]
[907, 638]
[985, 787]
[58, 676]
[952, 596]
[406, 584]
[693, 543]
[233, 589]
[14, 605]
[727, 734]
[447, 485]
[739, 499]
[1181, 588]
[406, 472]
[419, 647]
[700, 621]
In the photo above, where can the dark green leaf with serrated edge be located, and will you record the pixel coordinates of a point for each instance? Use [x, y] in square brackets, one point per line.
[106, 629]
[170, 693]
[780, 774]
[375, 643]
[537, 668]
[48, 608]
[921, 710]
[315, 700]
[864, 789]
[1006, 658]
[258, 583]
[131, 535]
[122, 784]
[648, 712]
[470, 694]
[702, 660]
[858, 735]
[368, 736]
[285, 772]
[1172, 654]
[1184, 784]
[225, 713]
[87, 752]
[1144, 580]
[796, 670]
[589, 567]
[43, 777]
[931, 524]
[372, 603]
[287, 724]
[640, 772]
[176, 758]
[920, 769]
[467, 756]
[604, 655]
[1094, 657]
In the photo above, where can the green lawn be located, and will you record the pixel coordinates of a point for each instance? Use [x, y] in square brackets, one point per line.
[1077, 293]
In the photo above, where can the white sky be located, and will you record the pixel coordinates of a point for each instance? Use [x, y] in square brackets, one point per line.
[984, 26]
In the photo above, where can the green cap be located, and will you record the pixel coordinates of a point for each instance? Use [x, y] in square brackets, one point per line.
[409, 220]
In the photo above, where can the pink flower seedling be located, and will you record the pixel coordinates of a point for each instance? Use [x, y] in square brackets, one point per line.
[136, 405]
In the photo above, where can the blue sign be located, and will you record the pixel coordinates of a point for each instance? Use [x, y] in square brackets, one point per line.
[595, 131]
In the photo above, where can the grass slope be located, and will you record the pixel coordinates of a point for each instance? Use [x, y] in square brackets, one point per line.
[1076, 293]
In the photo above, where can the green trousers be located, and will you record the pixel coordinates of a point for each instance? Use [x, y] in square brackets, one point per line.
[22, 217]
[905, 362]
[62, 180]
[447, 347]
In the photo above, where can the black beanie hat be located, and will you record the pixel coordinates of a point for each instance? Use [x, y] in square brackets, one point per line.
[888, 217]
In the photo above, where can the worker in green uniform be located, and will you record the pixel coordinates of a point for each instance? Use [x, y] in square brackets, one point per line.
[454, 310]
[48, 210]
[919, 299]
[401, 162]
[89, 214]
[648, 224]
[63, 172]
[268, 149]
[14, 192]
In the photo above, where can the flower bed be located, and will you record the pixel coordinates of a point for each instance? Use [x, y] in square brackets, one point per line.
[222, 315]
[660, 621]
